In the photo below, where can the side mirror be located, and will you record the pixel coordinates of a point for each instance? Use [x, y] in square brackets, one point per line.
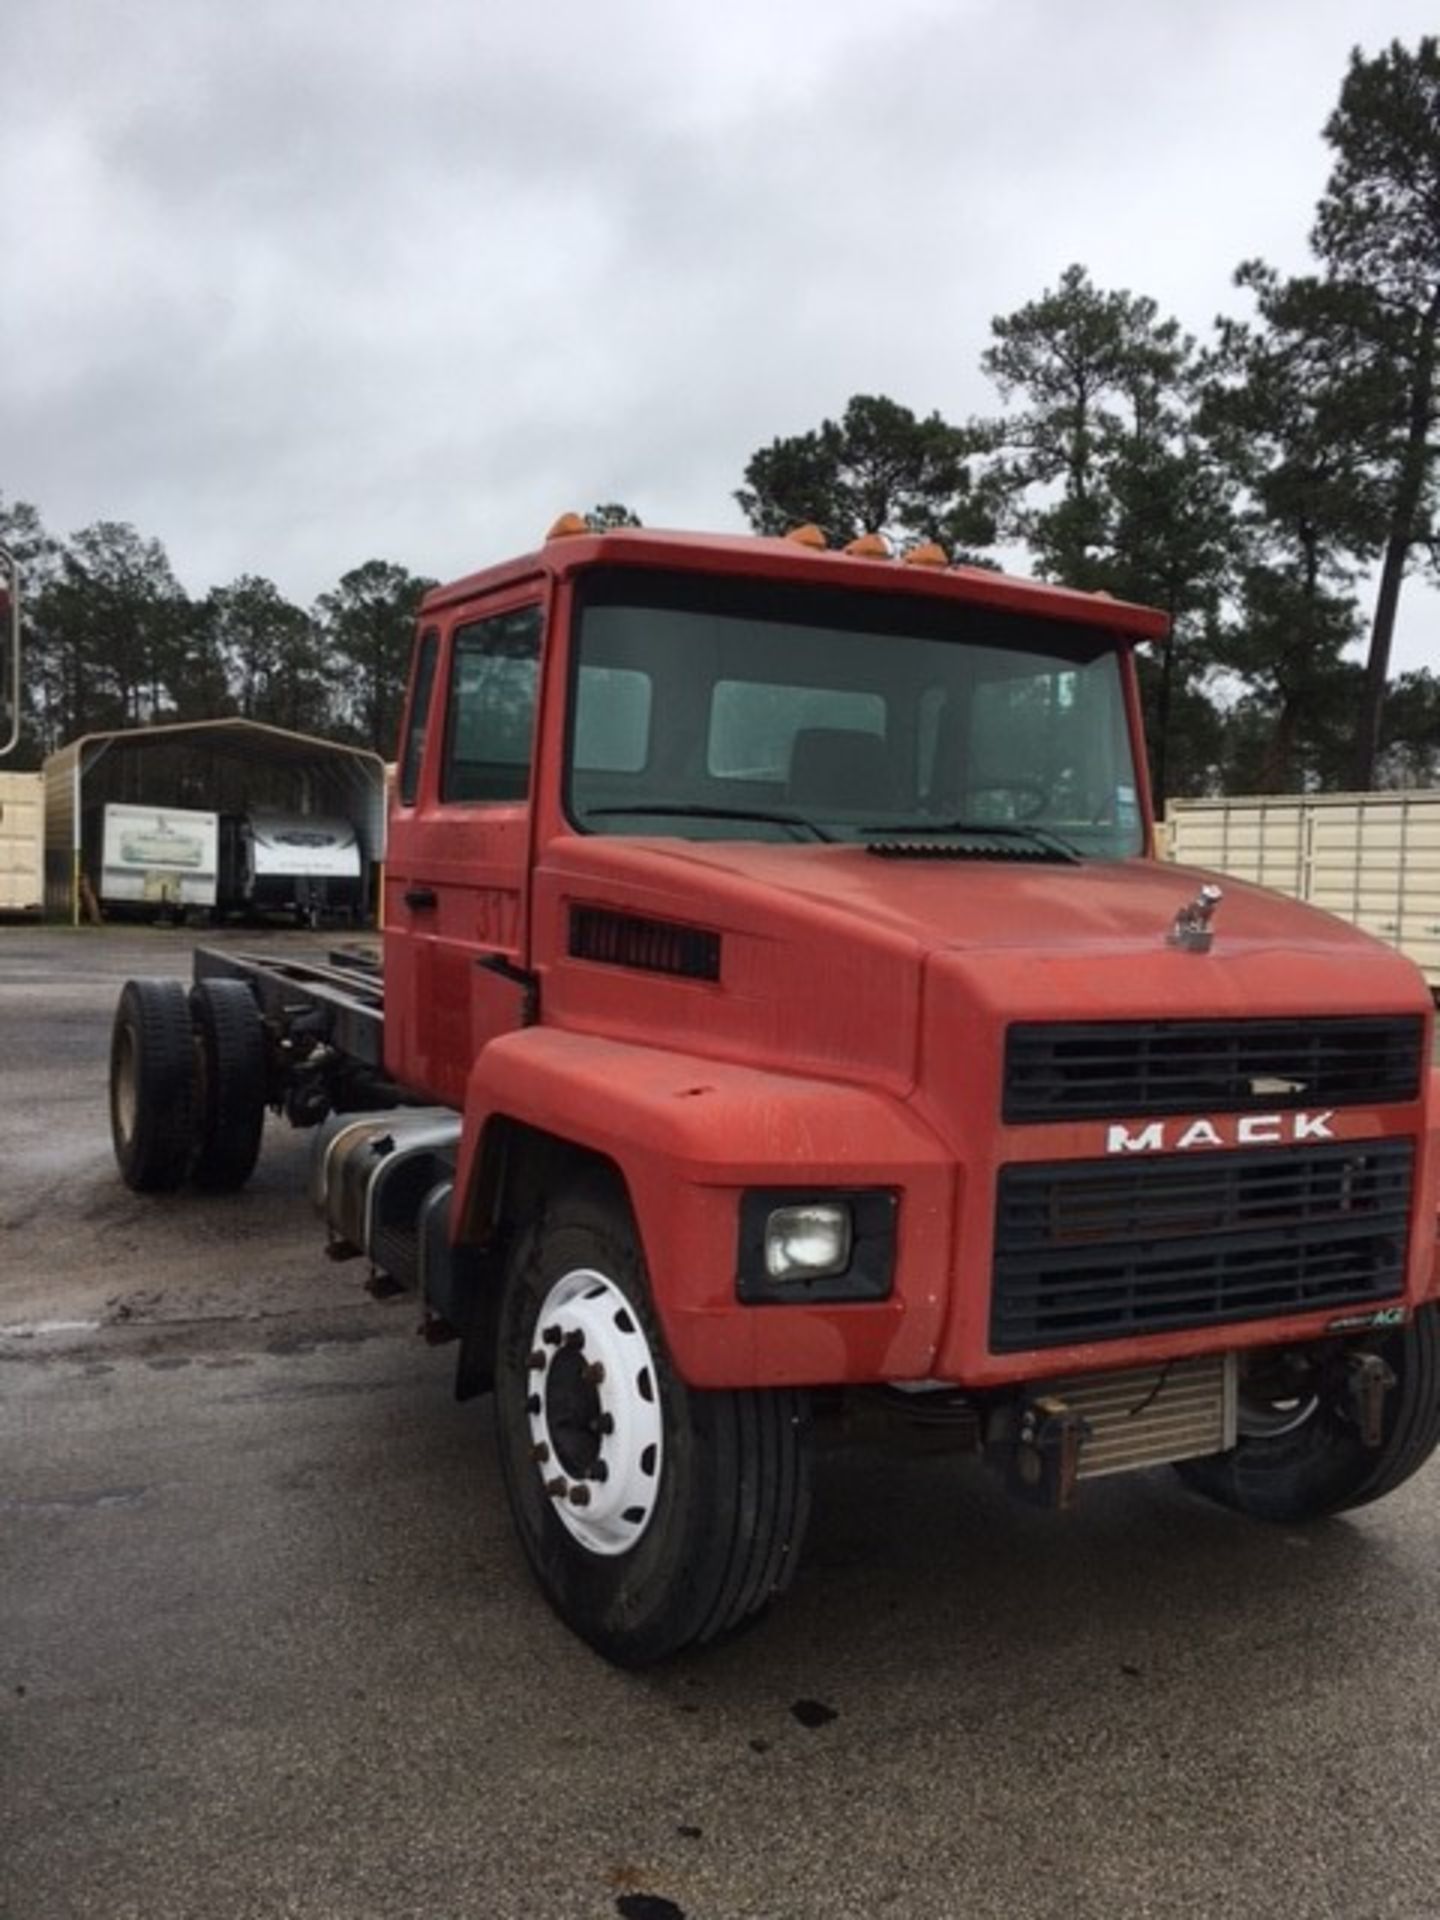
[9, 651]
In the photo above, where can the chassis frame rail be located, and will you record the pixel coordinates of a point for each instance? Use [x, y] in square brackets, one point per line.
[340, 1000]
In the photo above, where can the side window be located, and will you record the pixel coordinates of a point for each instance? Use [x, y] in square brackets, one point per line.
[420, 692]
[490, 723]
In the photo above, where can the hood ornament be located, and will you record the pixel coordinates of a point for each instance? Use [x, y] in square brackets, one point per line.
[1192, 930]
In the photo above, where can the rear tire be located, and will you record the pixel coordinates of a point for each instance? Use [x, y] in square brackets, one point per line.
[693, 1504]
[152, 1085]
[231, 1115]
[1317, 1465]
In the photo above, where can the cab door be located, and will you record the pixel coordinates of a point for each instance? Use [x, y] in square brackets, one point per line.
[457, 890]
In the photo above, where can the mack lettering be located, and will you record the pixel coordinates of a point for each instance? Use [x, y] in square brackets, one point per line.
[1245, 1130]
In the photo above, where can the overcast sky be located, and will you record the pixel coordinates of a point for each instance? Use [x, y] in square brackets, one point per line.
[298, 283]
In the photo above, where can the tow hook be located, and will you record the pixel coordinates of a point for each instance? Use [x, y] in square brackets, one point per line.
[1046, 1460]
[1367, 1381]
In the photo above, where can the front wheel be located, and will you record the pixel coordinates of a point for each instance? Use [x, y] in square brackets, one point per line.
[655, 1516]
[1300, 1455]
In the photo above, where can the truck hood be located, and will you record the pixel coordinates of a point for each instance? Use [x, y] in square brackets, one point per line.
[989, 904]
[849, 963]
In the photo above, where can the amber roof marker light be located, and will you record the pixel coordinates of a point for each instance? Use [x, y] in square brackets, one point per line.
[869, 546]
[807, 536]
[929, 554]
[567, 526]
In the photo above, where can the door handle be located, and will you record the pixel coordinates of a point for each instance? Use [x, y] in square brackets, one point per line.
[420, 899]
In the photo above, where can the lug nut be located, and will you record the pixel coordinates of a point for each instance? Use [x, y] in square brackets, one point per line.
[540, 1453]
[600, 1472]
[537, 1361]
[579, 1496]
[605, 1424]
[551, 1336]
[575, 1338]
[533, 1404]
[558, 1487]
[593, 1374]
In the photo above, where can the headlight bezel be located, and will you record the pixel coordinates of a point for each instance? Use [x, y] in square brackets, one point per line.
[868, 1273]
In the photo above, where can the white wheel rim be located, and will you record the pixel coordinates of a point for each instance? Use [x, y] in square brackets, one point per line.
[593, 1408]
[1274, 1419]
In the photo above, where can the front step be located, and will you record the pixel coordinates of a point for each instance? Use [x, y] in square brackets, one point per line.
[395, 1250]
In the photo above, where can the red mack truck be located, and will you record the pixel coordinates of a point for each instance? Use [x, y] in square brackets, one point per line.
[781, 1012]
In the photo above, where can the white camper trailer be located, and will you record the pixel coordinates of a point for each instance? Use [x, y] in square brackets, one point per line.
[308, 865]
[159, 857]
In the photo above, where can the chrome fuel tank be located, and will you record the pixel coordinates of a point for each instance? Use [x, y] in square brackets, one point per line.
[368, 1170]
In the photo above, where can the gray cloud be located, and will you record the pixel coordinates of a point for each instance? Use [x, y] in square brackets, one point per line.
[294, 284]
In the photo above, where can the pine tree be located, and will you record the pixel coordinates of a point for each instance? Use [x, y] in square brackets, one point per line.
[878, 469]
[271, 654]
[367, 621]
[1377, 235]
[1093, 374]
[1109, 485]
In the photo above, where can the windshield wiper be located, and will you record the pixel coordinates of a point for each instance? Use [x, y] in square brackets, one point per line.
[1038, 836]
[694, 811]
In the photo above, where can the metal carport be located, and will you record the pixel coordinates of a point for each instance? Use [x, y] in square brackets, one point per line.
[220, 766]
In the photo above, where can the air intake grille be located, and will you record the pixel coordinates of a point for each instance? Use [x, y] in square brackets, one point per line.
[1087, 1250]
[651, 946]
[1132, 1068]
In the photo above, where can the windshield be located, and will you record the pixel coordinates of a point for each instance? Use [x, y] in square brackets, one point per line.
[741, 709]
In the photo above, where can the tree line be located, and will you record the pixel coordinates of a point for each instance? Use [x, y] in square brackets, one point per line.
[1271, 487]
[112, 640]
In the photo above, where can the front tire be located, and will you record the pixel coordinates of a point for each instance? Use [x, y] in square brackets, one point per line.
[1307, 1461]
[655, 1516]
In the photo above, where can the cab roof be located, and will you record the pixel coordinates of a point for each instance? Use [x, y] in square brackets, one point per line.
[761, 558]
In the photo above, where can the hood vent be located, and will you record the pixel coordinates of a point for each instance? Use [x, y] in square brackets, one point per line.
[650, 946]
[963, 847]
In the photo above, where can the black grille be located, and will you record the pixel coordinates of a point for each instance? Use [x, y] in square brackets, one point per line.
[1133, 1067]
[652, 946]
[1088, 1250]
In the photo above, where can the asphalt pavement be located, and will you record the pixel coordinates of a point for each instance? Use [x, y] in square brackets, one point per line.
[267, 1646]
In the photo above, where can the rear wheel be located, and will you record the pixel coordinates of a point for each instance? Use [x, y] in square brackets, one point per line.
[1300, 1455]
[655, 1516]
[152, 1085]
[231, 1104]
